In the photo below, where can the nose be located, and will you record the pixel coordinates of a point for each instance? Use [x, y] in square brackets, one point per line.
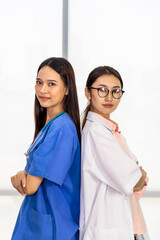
[43, 89]
[109, 97]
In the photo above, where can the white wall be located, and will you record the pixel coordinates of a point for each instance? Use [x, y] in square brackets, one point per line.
[31, 31]
[125, 35]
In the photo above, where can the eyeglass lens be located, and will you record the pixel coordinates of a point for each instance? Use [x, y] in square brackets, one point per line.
[116, 93]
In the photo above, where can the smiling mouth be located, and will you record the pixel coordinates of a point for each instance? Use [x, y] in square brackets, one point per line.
[44, 98]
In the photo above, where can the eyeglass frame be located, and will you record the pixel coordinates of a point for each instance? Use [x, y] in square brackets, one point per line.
[107, 93]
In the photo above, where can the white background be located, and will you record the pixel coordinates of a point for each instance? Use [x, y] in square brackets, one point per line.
[123, 34]
[31, 31]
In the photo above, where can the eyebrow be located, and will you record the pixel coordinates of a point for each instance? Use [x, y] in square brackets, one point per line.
[107, 86]
[48, 80]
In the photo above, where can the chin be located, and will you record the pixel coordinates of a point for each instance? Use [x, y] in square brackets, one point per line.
[43, 105]
[106, 112]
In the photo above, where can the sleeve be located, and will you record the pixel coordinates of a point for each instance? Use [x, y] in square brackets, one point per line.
[131, 153]
[111, 164]
[54, 156]
[140, 193]
[27, 166]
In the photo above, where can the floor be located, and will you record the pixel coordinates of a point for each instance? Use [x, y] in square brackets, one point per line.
[9, 206]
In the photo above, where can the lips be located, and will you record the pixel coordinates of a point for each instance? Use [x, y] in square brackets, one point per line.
[43, 98]
[107, 105]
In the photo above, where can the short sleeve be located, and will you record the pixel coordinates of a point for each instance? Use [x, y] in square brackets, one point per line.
[131, 153]
[111, 164]
[54, 156]
[27, 166]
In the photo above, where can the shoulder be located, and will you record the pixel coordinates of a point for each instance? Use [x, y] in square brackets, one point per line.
[64, 121]
[96, 128]
[64, 126]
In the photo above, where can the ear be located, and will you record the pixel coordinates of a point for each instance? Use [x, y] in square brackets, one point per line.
[88, 94]
[66, 92]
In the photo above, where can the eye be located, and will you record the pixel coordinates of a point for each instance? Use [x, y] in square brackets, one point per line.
[51, 84]
[38, 82]
[117, 90]
[102, 89]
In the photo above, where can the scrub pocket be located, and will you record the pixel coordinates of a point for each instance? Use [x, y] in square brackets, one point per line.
[38, 226]
[97, 233]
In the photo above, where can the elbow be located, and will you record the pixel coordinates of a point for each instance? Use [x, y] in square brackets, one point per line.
[124, 190]
[129, 188]
[127, 191]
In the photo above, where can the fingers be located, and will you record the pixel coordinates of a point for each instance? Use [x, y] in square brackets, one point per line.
[24, 181]
[14, 181]
[144, 174]
[141, 183]
[20, 190]
[17, 183]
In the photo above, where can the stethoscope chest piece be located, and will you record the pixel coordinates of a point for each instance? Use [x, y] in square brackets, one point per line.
[26, 154]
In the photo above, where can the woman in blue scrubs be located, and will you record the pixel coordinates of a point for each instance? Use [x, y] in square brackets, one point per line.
[51, 179]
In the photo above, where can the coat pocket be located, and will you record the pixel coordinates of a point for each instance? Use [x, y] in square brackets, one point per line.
[97, 233]
[38, 226]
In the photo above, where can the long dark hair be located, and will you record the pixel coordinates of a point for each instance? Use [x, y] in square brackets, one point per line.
[96, 73]
[66, 72]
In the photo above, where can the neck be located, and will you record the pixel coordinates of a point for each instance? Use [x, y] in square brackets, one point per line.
[52, 113]
[107, 116]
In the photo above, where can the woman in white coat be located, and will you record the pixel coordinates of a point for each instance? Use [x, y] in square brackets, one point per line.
[111, 179]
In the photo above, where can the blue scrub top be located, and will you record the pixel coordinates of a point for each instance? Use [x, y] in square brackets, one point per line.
[52, 213]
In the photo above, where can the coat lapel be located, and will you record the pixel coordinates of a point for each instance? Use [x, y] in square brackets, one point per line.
[94, 118]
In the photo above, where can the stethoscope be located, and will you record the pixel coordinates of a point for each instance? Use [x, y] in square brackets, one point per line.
[40, 136]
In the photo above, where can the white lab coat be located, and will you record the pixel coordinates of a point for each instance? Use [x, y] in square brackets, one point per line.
[108, 176]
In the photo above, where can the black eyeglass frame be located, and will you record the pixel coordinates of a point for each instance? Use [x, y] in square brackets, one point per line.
[107, 92]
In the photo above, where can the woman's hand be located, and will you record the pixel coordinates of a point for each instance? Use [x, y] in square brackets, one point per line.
[25, 183]
[142, 182]
[19, 181]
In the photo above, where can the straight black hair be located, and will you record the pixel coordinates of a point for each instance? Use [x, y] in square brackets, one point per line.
[66, 72]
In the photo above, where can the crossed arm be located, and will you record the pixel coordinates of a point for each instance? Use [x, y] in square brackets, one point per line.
[25, 183]
[142, 181]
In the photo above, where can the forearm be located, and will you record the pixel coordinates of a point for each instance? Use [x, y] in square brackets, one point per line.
[140, 193]
[16, 181]
[142, 181]
[31, 184]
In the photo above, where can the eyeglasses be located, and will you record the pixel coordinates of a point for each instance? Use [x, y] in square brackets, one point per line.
[103, 92]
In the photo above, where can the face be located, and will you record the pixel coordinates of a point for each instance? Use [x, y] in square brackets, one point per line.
[50, 89]
[104, 106]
